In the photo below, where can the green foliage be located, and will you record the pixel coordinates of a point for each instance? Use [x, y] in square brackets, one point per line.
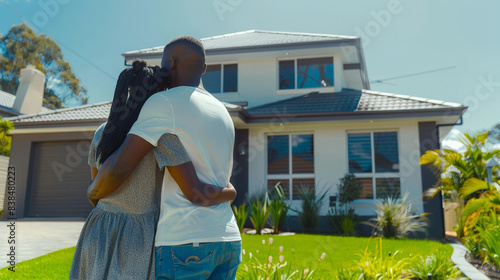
[459, 167]
[22, 47]
[301, 249]
[260, 213]
[5, 141]
[491, 241]
[278, 208]
[437, 265]
[241, 215]
[54, 265]
[343, 221]
[382, 265]
[311, 205]
[349, 189]
[395, 219]
[377, 265]
[480, 212]
[274, 267]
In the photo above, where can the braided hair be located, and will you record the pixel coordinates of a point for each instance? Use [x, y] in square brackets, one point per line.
[142, 81]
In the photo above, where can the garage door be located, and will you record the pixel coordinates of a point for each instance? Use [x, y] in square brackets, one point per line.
[59, 180]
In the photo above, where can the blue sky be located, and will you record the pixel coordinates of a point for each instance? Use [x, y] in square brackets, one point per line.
[400, 37]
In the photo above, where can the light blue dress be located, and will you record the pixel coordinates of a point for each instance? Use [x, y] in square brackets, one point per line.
[117, 239]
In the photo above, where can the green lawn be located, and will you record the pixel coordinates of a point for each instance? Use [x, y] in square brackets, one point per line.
[301, 249]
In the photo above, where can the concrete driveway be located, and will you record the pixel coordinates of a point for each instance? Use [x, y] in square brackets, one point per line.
[37, 237]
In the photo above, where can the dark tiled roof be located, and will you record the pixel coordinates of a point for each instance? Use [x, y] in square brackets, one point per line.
[253, 38]
[348, 100]
[98, 111]
[7, 101]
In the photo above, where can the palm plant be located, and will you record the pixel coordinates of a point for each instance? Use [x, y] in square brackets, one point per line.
[480, 213]
[241, 215]
[260, 213]
[457, 167]
[395, 219]
[311, 205]
[278, 208]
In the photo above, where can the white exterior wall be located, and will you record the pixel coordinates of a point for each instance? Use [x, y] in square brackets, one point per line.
[331, 159]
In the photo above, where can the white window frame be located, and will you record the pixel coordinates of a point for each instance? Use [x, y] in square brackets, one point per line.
[303, 90]
[374, 175]
[222, 79]
[290, 176]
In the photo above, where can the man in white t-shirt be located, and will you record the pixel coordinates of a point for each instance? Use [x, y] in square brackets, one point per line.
[192, 242]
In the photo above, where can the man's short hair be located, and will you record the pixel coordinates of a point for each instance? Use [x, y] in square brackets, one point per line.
[191, 43]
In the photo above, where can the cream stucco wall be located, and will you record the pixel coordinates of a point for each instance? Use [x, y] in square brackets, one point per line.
[331, 159]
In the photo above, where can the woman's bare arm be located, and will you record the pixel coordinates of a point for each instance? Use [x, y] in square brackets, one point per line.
[120, 165]
[195, 191]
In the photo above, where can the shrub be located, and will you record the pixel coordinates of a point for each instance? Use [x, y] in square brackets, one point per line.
[241, 215]
[343, 221]
[394, 218]
[311, 205]
[381, 265]
[437, 265]
[376, 265]
[260, 214]
[491, 241]
[278, 208]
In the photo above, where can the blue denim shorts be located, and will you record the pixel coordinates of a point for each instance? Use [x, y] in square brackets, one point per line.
[206, 261]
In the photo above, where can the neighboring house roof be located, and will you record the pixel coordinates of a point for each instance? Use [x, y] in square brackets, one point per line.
[253, 39]
[349, 100]
[97, 111]
[7, 101]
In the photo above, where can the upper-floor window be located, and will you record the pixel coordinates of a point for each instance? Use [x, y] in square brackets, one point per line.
[290, 161]
[306, 73]
[221, 78]
[374, 159]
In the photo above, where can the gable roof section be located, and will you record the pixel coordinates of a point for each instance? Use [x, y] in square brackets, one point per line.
[350, 101]
[7, 101]
[252, 39]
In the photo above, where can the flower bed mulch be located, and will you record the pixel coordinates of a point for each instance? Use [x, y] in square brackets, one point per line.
[489, 270]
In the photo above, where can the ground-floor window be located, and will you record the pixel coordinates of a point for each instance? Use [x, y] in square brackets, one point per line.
[374, 158]
[290, 162]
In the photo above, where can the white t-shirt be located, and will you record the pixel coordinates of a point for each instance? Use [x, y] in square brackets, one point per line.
[206, 131]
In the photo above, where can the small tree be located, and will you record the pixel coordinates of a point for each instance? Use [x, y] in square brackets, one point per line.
[344, 221]
[5, 141]
[349, 189]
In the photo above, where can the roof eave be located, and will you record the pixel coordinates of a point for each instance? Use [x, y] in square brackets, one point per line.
[355, 115]
[254, 48]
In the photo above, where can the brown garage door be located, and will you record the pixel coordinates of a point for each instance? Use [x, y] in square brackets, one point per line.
[59, 179]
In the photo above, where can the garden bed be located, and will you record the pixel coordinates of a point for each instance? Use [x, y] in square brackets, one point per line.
[489, 270]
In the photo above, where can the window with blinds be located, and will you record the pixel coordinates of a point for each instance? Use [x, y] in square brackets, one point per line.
[290, 162]
[374, 158]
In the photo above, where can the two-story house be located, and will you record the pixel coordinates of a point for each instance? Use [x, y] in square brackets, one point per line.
[304, 115]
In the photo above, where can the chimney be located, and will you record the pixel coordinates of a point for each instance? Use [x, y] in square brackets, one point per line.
[29, 95]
